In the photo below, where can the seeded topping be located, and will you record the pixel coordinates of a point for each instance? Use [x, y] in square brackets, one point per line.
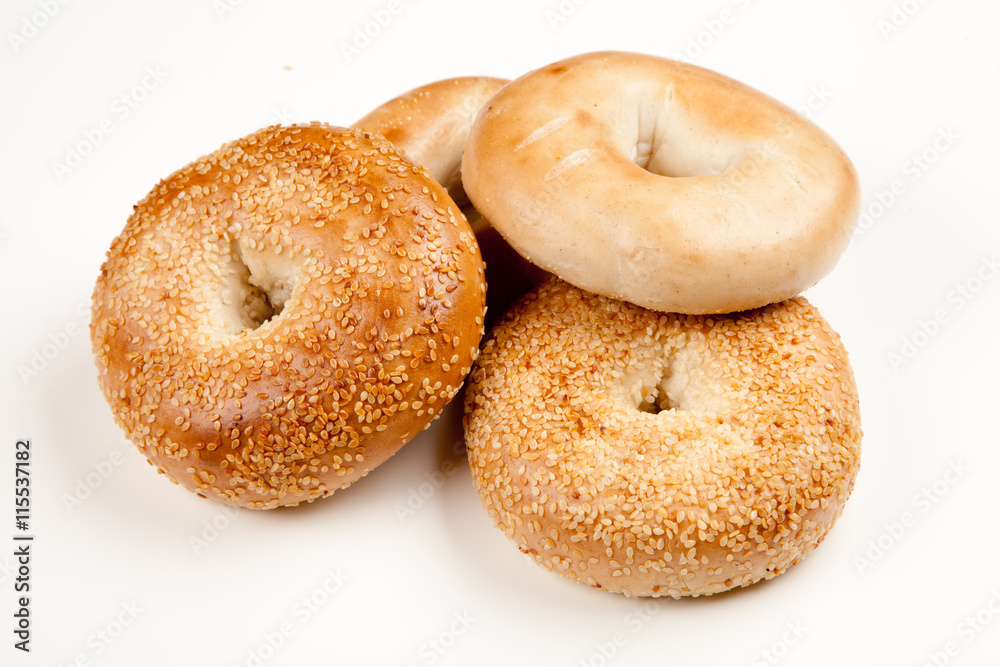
[279, 317]
[658, 454]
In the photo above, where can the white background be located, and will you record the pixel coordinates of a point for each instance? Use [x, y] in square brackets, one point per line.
[128, 569]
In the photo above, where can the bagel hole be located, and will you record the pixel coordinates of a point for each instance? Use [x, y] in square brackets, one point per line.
[263, 293]
[657, 398]
[663, 143]
[659, 161]
[257, 307]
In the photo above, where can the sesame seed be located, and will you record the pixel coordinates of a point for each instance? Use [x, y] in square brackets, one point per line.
[680, 455]
[234, 310]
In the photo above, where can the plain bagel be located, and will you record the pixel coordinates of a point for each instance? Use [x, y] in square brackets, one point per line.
[656, 454]
[431, 124]
[661, 183]
[281, 316]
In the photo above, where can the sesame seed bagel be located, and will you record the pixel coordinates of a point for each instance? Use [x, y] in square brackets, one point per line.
[661, 183]
[657, 454]
[431, 124]
[281, 316]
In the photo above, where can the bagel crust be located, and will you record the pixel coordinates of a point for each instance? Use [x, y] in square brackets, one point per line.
[661, 183]
[430, 124]
[656, 454]
[281, 316]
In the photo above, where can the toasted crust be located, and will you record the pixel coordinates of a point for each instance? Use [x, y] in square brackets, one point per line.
[657, 454]
[281, 316]
[661, 183]
[431, 124]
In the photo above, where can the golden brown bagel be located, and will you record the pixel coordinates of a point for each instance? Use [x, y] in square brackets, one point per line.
[430, 124]
[661, 183]
[655, 454]
[281, 316]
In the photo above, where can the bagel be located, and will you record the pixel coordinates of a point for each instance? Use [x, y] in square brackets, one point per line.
[280, 317]
[661, 183]
[658, 454]
[431, 124]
